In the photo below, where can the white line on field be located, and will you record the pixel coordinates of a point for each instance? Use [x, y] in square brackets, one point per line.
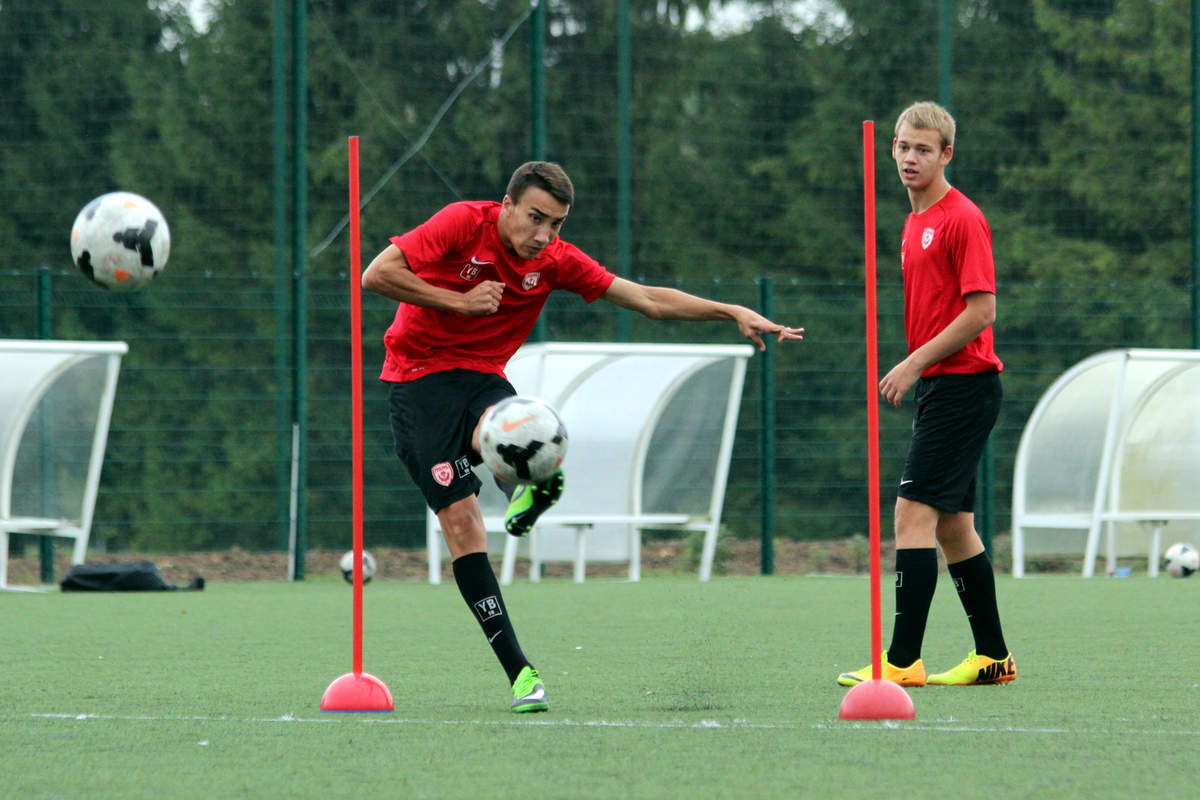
[935, 726]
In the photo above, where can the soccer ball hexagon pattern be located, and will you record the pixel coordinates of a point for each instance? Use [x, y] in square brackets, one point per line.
[522, 440]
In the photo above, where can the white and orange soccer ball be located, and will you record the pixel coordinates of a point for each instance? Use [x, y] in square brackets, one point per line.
[120, 241]
[1181, 560]
[522, 440]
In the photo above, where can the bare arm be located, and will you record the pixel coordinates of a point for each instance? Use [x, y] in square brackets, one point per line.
[388, 274]
[660, 302]
[971, 321]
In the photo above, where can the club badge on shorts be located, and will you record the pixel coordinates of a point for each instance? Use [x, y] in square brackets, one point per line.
[443, 473]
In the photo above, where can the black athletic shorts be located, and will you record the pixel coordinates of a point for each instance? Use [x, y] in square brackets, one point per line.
[955, 414]
[432, 421]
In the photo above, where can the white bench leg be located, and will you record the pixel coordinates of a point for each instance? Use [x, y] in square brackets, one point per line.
[79, 553]
[1155, 543]
[635, 553]
[433, 550]
[535, 559]
[710, 549]
[509, 564]
[580, 554]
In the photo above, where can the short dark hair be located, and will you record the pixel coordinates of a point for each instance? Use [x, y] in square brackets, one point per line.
[544, 175]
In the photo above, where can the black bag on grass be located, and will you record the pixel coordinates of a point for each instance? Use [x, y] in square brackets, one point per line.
[137, 576]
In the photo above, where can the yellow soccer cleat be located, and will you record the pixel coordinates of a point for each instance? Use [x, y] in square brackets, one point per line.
[912, 675]
[977, 670]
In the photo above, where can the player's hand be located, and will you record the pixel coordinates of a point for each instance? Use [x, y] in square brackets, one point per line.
[753, 324]
[483, 299]
[898, 381]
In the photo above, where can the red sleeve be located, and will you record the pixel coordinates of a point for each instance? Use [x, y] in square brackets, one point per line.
[580, 273]
[973, 255]
[439, 237]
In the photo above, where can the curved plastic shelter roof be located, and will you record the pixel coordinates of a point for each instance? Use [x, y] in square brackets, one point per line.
[651, 430]
[1113, 443]
[56, 400]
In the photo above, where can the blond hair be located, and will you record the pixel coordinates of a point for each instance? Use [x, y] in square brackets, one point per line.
[927, 115]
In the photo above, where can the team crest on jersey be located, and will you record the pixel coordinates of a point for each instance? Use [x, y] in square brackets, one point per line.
[469, 273]
[926, 238]
[443, 473]
[531, 280]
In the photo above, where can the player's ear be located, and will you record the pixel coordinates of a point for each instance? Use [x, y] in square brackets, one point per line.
[947, 154]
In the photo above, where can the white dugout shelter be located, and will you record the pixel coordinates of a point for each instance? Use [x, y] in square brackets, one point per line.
[650, 429]
[56, 400]
[1112, 448]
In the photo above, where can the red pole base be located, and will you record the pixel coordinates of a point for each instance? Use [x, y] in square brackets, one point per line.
[357, 691]
[877, 700]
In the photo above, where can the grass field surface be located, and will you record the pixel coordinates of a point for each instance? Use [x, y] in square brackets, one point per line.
[664, 688]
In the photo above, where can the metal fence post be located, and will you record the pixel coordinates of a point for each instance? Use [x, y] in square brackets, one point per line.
[45, 330]
[767, 433]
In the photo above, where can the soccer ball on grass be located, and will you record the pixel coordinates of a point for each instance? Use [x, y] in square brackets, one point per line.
[522, 440]
[1181, 560]
[120, 241]
[347, 566]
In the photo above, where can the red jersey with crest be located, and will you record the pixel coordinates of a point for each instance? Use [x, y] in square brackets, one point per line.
[945, 254]
[455, 249]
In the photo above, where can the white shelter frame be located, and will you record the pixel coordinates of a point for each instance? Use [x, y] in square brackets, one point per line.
[1138, 376]
[29, 371]
[563, 372]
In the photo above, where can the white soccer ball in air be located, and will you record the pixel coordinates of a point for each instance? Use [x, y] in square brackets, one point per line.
[120, 241]
[1181, 560]
[522, 440]
[347, 566]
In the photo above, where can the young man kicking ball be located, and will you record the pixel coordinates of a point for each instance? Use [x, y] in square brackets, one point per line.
[471, 282]
[949, 307]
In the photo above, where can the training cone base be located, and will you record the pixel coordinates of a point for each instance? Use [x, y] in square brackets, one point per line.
[357, 691]
[877, 699]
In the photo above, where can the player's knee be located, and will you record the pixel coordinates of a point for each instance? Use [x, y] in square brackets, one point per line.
[462, 527]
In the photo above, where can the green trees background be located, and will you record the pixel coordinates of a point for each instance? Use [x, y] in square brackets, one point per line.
[1074, 137]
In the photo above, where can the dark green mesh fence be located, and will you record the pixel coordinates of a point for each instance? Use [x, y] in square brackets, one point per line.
[743, 163]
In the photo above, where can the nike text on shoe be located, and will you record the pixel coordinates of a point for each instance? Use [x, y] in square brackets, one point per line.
[912, 675]
[530, 502]
[528, 692]
[977, 670]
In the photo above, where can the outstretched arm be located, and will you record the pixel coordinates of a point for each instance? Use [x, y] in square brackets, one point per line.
[389, 275]
[660, 302]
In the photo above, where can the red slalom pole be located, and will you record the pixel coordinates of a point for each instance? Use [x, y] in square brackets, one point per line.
[872, 394]
[356, 448]
[876, 698]
[356, 690]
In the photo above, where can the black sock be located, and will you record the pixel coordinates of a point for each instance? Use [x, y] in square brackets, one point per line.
[976, 585]
[916, 578]
[477, 583]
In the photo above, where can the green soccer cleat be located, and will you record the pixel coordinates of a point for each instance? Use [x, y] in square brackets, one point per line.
[530, 501]
[912, 675]
[528, 692]
[977, 670]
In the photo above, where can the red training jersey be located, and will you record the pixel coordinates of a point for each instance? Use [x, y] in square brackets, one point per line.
[945, 254]
[455, 249]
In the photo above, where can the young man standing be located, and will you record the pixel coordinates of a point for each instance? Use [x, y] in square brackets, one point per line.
[471, 282]
[949, 307]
